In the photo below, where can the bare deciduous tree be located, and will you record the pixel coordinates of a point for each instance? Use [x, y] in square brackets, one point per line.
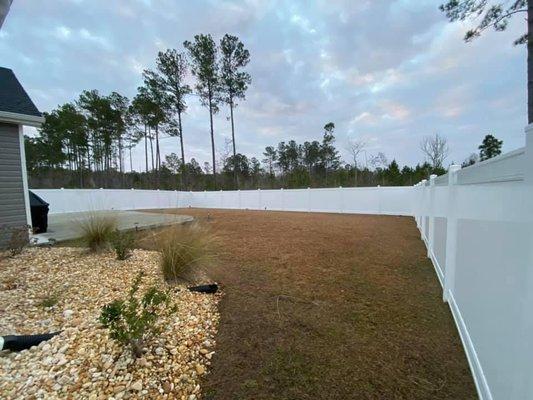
[355, 147]
[379, 160]
[435, 149]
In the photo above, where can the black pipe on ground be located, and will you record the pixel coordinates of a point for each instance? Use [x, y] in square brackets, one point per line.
[212, 288]
[22, 342]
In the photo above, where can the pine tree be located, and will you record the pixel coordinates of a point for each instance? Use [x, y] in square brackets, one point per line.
[490, 147]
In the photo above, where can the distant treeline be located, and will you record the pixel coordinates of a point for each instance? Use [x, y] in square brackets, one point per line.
[288, 165]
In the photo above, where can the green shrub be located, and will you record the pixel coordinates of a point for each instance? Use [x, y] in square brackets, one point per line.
[122, 242]
[49, 301]
[183, 247]
[132, 321]
[97, 230]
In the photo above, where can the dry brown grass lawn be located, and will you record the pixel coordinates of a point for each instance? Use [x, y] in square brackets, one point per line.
[326, 306]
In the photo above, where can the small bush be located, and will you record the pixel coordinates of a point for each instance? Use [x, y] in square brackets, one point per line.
[49, 301]
[133, 320]
[97, 231]
[18, 238]
[184, 247]
[122, 242]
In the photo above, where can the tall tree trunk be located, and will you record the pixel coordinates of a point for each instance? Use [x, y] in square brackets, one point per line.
[80, 167]
[157, 155]
[131, 162]
[146, 148]
[183, 175]
[151, 148]
[120, 156]
[157, 152]
[235, 175]
[355, 172]
[530, 62]
[212, 143]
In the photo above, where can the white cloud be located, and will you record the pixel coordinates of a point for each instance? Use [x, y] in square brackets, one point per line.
[390, 71]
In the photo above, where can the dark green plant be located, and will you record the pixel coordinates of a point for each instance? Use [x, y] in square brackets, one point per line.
[50, 301]
[132, 321]
[490, 147]
[122, 242]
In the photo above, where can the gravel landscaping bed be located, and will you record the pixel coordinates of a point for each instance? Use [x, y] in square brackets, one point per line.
[50, 289]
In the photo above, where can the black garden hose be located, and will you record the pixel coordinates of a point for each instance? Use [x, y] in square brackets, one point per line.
[22, 342]
[212, 288]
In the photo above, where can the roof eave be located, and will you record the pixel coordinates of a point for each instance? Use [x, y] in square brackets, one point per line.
[21, 119]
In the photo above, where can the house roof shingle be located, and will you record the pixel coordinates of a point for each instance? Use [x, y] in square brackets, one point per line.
[13, 97]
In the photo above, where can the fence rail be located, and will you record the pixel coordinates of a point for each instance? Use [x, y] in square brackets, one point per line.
[476, 222]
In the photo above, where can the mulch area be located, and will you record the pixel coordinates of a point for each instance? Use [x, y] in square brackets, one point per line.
[63, 290]
[329, 306]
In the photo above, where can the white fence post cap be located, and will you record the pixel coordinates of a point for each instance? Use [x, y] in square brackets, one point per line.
[454, 168]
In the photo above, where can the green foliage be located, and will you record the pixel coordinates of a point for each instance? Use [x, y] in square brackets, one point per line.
[490, 147]
[205, 67]
[184, 247]
[132, 321]
[496, 15]
[122, 242]
[234, 57]
[97, 230]
[50, 301]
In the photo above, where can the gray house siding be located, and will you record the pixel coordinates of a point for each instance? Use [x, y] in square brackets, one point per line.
[12, 207]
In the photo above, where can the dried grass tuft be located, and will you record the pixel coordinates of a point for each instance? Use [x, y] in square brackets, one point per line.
[183, 248]
[97, 230]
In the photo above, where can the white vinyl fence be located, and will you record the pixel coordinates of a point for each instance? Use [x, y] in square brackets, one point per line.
[477, 224]
[375, 200]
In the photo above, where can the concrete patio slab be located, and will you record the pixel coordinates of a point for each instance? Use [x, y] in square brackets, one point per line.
[66, 226]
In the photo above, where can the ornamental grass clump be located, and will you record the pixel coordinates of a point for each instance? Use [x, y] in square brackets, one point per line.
[133, 321]
[183, 248]
[97, 231]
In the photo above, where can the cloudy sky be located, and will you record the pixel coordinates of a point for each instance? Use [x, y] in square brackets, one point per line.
[387, 72]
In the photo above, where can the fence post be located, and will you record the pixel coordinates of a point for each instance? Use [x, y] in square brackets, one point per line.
[340, 200]
[379, 199]
[133, 207]
[259, 206]
[528, 170]
[451, 234]
[281, 197]
[239, 198]
[417, 205]
[423, 209]
[308, 199]
[431, 216]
